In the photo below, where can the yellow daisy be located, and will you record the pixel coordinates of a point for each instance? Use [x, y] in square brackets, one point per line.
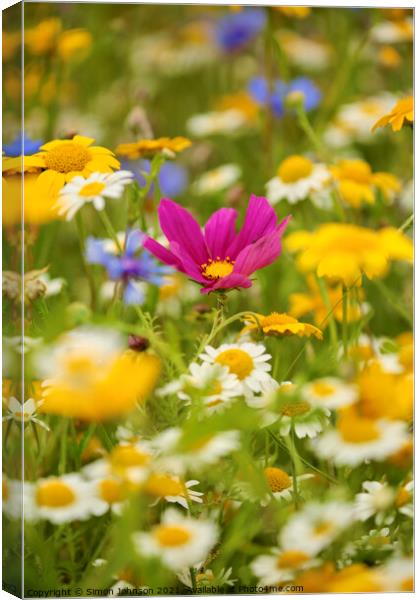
[402, 112]
[281, 324]
[134, 150]
[61, 160]
[343, 252]
[298, 12]
[357, 183]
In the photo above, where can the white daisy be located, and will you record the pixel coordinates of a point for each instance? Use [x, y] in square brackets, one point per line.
[397, 575]
[109, 493]
[91, 190]
[23, 413]
[223, 122]
[404, 499]
[58, 499]
[281, 565]
[375, 500]
[316, 526]
[280, 484]
[217, 179]
[305, 53]
[179, 541]
[248, 361]
[216, 383]
[392, 32]
[329, 392]
[172, 489]
[128, 461]
[297, 178]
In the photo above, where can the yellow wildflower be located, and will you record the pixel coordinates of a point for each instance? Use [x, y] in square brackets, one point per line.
[73, 43]
[299, 12]
[241, 102]
[389, 57]
[402, 112]
[278, 324]
[134, 150]
[42, 38]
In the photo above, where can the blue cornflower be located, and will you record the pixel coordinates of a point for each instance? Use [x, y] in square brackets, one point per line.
[172, 177]
[14, 149]
[236, 30]
[129, 267]
[259, 90]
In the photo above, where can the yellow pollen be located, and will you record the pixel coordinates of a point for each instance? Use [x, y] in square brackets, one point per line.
[320, 388]
[291, 559]
[111, 491]
[171, 535]
[164, 485]
[67, 157]
[215, 269]
[322, 527]
[294, 168]
[276, 318]
[403, 496]
[356, 170]
[237, 361]
[358, 430]
[128, 456]
[295, 408]
[92, 189]
[54, 494]
[277, 479]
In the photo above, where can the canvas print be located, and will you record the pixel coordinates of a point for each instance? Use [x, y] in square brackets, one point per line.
[207, 299]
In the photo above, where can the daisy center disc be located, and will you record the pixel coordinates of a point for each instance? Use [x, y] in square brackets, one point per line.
[67, 157]
[295, 168]
[215, 269]
[172, 535]
[92, 189]
[277, 319]
[164, 485]
[322, 389]
[403, 496]
[291, 559]
[111, 491]
[358, 431]
[277, 479]
[54, 494]
[358, 171]
[237, 361]
[127, 456]
[295, 409]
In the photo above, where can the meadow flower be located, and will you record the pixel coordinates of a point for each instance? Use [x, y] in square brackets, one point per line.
[221, 258]
[58, 499]
[143, 148]
[280, 484]
[375, 500]
[342, 252]
[329, 392]
[216, 385]
[397, 574]
[316, 526]
[12, 504]
[62, 160]
[172, 489]
[280, 324]
[298, 12]
[234, 31]
[357, 183]
[307, 54]
[218, 122]
[178, 541]
[248, 361]
[109, 493]
[128, 461]
[281, 565]
[172, 177]
[94, 190]
[42, 38]
[217, 179]
[23, 413]
[404, 499]
[36, 284]
[21, 147]
[358, 439]
[278, 98]
[91, 377]
[297, 178]
[393, 32]
[402, 112]
[74, 44]
[303, 418]
[128, 267]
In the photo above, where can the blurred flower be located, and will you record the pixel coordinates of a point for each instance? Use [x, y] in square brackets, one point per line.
[172, 177]
[280, 484]
[297, 178]
[36, 284]
[94, 190]
[301, 417]
[389, 57]
[12, 504]
[329, 392]
[233, 257]
[298, 12]
[74, 43]
[393, 32]
[358, 439]
[29, 146]
[217, 179]
[397, 575]
[109, 493]
[280, 324]
[357, 184]
[241, 102]
[281, 565]
[172, 489]
[402, 112]
[62, 160]
[277, 97]
[307, 54]
[92, 378]
[221, 122]
[128, 461]
[42, 38]
[343, 252]
[249, 362]
[11, 41]
[235, 31]
[178, 541]
[165, 145]
[23, 413]
[375, 500]
[58, 499]
[404, 499]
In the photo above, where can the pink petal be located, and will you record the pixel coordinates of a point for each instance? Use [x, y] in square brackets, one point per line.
[260, 219]
[179, 226]
[219, 231]
[162, 253]
[231, 281]
[188, 265]
[282, 226]
[258, 255]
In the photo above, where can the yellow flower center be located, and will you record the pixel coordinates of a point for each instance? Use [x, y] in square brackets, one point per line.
[128, 456]
[291, 559]
[276, 318]
[54, 494]
[277, 479]
[356, 170]
[295, 409]
[67, 157]
[164, 485]
[171, 535]
[111, 491]
[358, 430]
[237, 361]
[92, 189]
[320, 388]
[215, 269]
[294, 168]
[322, 527]
[403, 496]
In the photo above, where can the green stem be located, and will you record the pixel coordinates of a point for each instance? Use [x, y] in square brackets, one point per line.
[306, 126]
[89, 276]
[327, 303]
[110, 229]
[407, 223]
[296, 463]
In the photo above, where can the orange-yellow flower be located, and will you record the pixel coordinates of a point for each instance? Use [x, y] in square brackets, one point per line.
[134, 150]
[299, 12]
[74, 43]
[402, 112]
[42, 38]
[281, 324]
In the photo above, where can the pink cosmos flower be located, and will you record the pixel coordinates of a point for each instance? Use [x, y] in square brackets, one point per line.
[219, 258]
